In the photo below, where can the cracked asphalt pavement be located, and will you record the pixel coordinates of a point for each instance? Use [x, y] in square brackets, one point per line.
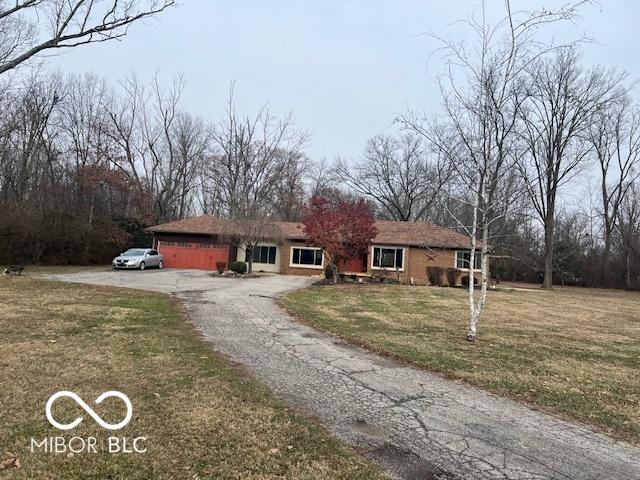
[414, 424]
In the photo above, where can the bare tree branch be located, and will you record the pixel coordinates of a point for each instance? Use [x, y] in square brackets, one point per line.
[71, 23]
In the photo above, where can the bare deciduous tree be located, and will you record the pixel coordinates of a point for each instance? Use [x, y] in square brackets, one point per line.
[92, 162]
[123, 116]
[481, 115]
[402, 175]
[158, 146]
[561, 100]
[615, 137]
[250, 156]
[629, 235]
[192, 138]
[26, 153]
[29, 27]
[82, 125]
[322, 179]
[290, 194]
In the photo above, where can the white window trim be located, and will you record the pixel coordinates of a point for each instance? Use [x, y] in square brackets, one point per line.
[297, 265]
[244, 249]
[463, 269]
[390, 269]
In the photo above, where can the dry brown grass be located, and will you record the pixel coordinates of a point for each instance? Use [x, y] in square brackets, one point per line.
[202, 418]
[53, 269]
[570, 351]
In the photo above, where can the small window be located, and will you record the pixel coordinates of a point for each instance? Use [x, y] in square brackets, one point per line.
[386, 257]
[153, 252]
[463, 258]
[262, 254]
[311, 257]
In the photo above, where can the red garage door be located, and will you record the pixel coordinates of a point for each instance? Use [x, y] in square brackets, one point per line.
[202, 256]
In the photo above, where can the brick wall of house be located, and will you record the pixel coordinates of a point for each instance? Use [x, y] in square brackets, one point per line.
[416, 261]
[421, 258]
[285, 258]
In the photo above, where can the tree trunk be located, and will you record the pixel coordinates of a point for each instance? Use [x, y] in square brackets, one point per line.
[127, 205]
[606, 259]
[627, 278]
[474, 314]
[608, 230]
[87, 243]
[484, 283]
[472, 329]
[549, 239]
[249, 251]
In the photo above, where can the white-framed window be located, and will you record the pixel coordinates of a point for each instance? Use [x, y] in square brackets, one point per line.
[306, 257]
[463, 257]
[387, 258]
[263, 254]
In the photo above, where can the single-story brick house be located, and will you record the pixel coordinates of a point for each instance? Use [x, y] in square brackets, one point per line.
[401, 250]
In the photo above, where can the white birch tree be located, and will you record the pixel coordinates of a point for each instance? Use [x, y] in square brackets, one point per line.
[483, 92]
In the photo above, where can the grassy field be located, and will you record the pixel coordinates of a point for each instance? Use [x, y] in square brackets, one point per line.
[570, 351]
[201, 417]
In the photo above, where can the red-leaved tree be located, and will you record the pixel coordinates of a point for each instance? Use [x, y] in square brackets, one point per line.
[342, 229]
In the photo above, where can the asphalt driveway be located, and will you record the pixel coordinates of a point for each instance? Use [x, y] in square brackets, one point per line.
[415, 424]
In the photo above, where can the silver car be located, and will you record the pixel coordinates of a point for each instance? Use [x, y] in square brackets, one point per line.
[138, 258]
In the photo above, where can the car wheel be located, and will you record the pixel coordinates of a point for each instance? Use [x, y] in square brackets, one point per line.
[142, 265]
[161, 265]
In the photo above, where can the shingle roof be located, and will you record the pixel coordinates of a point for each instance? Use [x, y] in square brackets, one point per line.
[389, 233]
[204, 224]
[292, 230]
[421, 234]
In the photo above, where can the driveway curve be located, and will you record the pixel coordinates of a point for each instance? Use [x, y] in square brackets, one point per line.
[415, 424]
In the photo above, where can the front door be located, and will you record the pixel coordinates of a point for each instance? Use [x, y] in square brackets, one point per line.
[356, 265]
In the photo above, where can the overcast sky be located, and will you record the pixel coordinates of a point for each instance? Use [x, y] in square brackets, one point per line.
[345, 68]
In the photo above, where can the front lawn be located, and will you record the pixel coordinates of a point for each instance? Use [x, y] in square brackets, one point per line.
[62, 269]
[202, 418]
[570, 351]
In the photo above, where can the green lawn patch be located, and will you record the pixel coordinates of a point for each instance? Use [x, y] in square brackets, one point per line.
[570, 351]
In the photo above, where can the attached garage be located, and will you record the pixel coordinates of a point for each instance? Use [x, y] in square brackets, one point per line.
[198, 255]
[196, 243]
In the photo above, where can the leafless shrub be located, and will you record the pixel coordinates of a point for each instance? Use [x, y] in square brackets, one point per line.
[436, 276]
[452, 276]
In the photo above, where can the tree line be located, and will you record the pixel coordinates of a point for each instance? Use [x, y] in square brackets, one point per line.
[533, 154]
[86, 166]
